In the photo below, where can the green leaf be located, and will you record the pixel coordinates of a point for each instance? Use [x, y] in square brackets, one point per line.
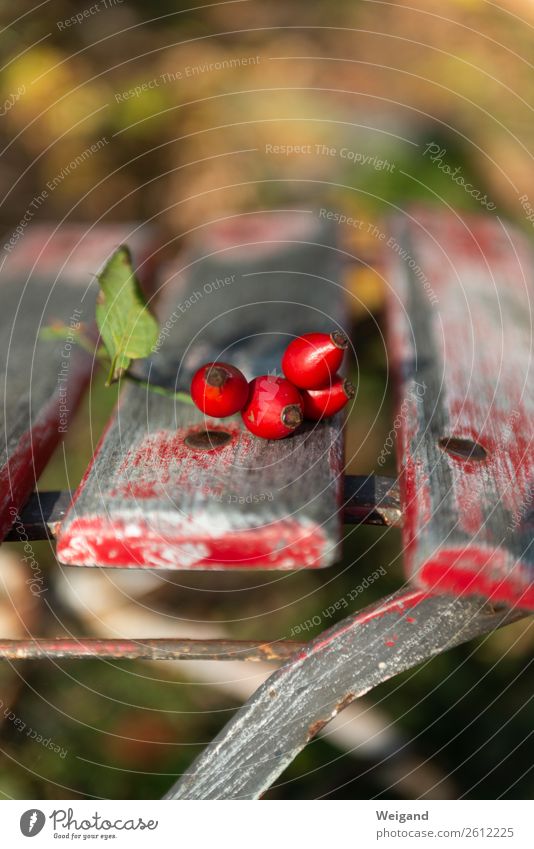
[128, 330]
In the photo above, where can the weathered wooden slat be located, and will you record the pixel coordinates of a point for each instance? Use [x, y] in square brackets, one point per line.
[340, 665]
[151, 500]
[48, 275]
[461, 341]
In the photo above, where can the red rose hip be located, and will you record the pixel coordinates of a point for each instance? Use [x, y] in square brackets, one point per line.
[274, 407]
[328, 400]
[219, 389]
[313, 359]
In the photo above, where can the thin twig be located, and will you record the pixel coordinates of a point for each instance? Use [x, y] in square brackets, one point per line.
[184, 397]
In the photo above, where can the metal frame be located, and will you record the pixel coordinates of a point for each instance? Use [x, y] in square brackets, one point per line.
[337, 667]
[368, 500]
[317, 679]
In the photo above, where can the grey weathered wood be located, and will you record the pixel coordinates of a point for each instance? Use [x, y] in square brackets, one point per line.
[461, 334]
[340, 665]
[47, 275]
[151, 501]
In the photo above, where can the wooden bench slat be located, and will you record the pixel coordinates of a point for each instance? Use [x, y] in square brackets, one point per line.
[461, 339]
[47, 276]
[149, 500]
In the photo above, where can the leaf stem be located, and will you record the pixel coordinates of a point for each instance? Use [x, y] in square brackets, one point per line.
[111, 372]
[184, 397]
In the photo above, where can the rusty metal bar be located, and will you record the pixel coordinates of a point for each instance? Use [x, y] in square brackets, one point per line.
[368, 499]
[148, 649]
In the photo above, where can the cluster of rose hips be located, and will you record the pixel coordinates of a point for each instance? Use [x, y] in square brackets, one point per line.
[274, 407]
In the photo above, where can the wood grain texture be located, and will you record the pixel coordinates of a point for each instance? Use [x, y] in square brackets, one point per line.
[461, 339]
[149, 500]
[340, 665]
[47, 276]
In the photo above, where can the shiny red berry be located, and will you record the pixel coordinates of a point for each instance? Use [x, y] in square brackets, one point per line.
[219, 389]
[313, 359]
[274, 407]
[324, 402]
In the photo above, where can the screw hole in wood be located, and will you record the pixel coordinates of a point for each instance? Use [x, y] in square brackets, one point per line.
[207, 440]
[463, 449]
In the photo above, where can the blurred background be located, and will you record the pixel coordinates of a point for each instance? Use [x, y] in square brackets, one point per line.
[189, 112]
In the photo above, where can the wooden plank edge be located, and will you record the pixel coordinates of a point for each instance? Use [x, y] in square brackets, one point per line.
[283, 544]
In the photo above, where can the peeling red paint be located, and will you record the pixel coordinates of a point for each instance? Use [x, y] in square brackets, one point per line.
[165, 447]
[100, 542]
[479, 572]
[163, 458]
